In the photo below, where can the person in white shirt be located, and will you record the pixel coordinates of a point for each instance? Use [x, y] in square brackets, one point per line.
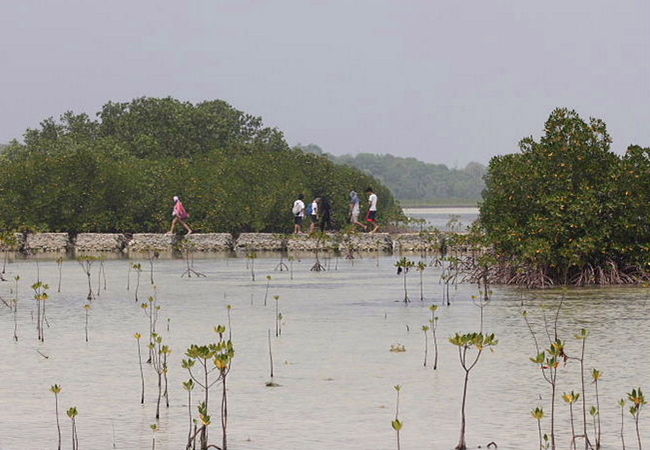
[372, 209]
[298, 214]
[313, 215]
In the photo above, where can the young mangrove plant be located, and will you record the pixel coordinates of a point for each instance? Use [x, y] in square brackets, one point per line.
[291, 259]
[596, 376]
[72, 414]
[152, 255]
[595, 414]
[638, 401]
[217, 356]
[154, 428]
[582, 337]
[101, 275]
[621, 404]
[538, 415]
[251, 256]
[426, 329]
[278, 331]
[138, 271]
[59, 263]
[270, 383]
[396, 423]
[403, 266]
[56, 390]
[228, 309]
[87, 308]
[434, 326]
[266, 292]
[138, 336]
[86, 263]
[40, 295]
[151, 310]
[281, 266]
[14, 305]
[470, 343]
[421, 266]
[159, 364]
[189, 387]
[570, 399]
[187, 248]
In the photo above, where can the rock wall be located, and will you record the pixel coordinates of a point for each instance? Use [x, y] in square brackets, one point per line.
[138, 244]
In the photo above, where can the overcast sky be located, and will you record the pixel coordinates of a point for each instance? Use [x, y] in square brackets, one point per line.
[444, 81]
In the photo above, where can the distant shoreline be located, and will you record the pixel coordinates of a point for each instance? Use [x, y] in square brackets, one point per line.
[442, 203]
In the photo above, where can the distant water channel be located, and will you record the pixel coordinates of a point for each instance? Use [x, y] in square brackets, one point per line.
[445, 218]
[332, 360]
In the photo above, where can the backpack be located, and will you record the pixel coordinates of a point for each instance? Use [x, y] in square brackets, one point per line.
[181, 212]
[296, 208]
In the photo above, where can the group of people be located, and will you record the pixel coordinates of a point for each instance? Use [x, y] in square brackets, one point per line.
[319, 212]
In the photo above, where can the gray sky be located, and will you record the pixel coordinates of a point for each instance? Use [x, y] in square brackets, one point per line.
[444, 81]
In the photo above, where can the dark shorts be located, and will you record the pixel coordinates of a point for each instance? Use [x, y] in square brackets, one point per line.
[314, 218]
[372, 216]
[298, 220]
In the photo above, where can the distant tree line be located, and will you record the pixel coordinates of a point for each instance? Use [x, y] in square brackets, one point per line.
[118, 171]
[414, 181]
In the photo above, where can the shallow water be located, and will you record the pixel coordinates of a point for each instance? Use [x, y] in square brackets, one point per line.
[332, 361]
[445, 218]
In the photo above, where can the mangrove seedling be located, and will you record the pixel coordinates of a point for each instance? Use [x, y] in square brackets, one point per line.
[595, 413]
[538, 415]
[228, 309]
[159, 364]
[152, 255]
[271, 383]
[101, 275]
[138, 336]
[72, 414]
[189, 387]
[638, 401]
[291, 259]
[56, 390]
[476, 342]
[40, 295]
[397, 424]
[187, 248]
[434, 326]
[582, 336]
[86, 263]
[425, 328]
[571, 398]
[151, 310]
[403, 266]
[266, 293]
[277, 315]
[596, 376]
[138, 270]
[421, 266]
[251, 258]
[14, 303]
[87, 307]
[281, 265]
[59, 263]
[621, 404]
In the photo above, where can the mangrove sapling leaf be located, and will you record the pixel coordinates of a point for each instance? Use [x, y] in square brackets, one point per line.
[138, 336]
[425, 328]
[621, 404]
[596, 376]
[87, 307]
[403, 266]
[638, 400]
[538, 415]
[571, 398]
[469, 343]
[56, 390]
[266, 292]
[595, 413]
[72, 414]
[189, 387]
[396, 423]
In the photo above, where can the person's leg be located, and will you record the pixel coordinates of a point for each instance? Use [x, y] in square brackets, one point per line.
[187, 227]
[171, 230]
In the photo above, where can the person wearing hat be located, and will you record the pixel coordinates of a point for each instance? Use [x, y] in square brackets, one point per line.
[355, 209]
[180, 215]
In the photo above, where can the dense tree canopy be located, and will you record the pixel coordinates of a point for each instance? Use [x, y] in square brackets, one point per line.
[567, 209]
[118, 172]
[414, 181]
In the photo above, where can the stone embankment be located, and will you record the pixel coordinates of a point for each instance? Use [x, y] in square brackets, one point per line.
[165, 245]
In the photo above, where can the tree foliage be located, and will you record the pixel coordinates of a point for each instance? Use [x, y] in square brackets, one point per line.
[567, 209]
[118, 172]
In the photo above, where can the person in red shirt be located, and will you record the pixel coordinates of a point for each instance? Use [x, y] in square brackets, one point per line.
[180, 215]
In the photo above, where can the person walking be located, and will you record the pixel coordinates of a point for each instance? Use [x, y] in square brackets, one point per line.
[313, 215]
[180, 215]
[298, 211]
[372, 209]
[355, 210]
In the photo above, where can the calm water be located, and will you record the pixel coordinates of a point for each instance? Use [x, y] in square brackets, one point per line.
[445, 218]
[332, 360]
